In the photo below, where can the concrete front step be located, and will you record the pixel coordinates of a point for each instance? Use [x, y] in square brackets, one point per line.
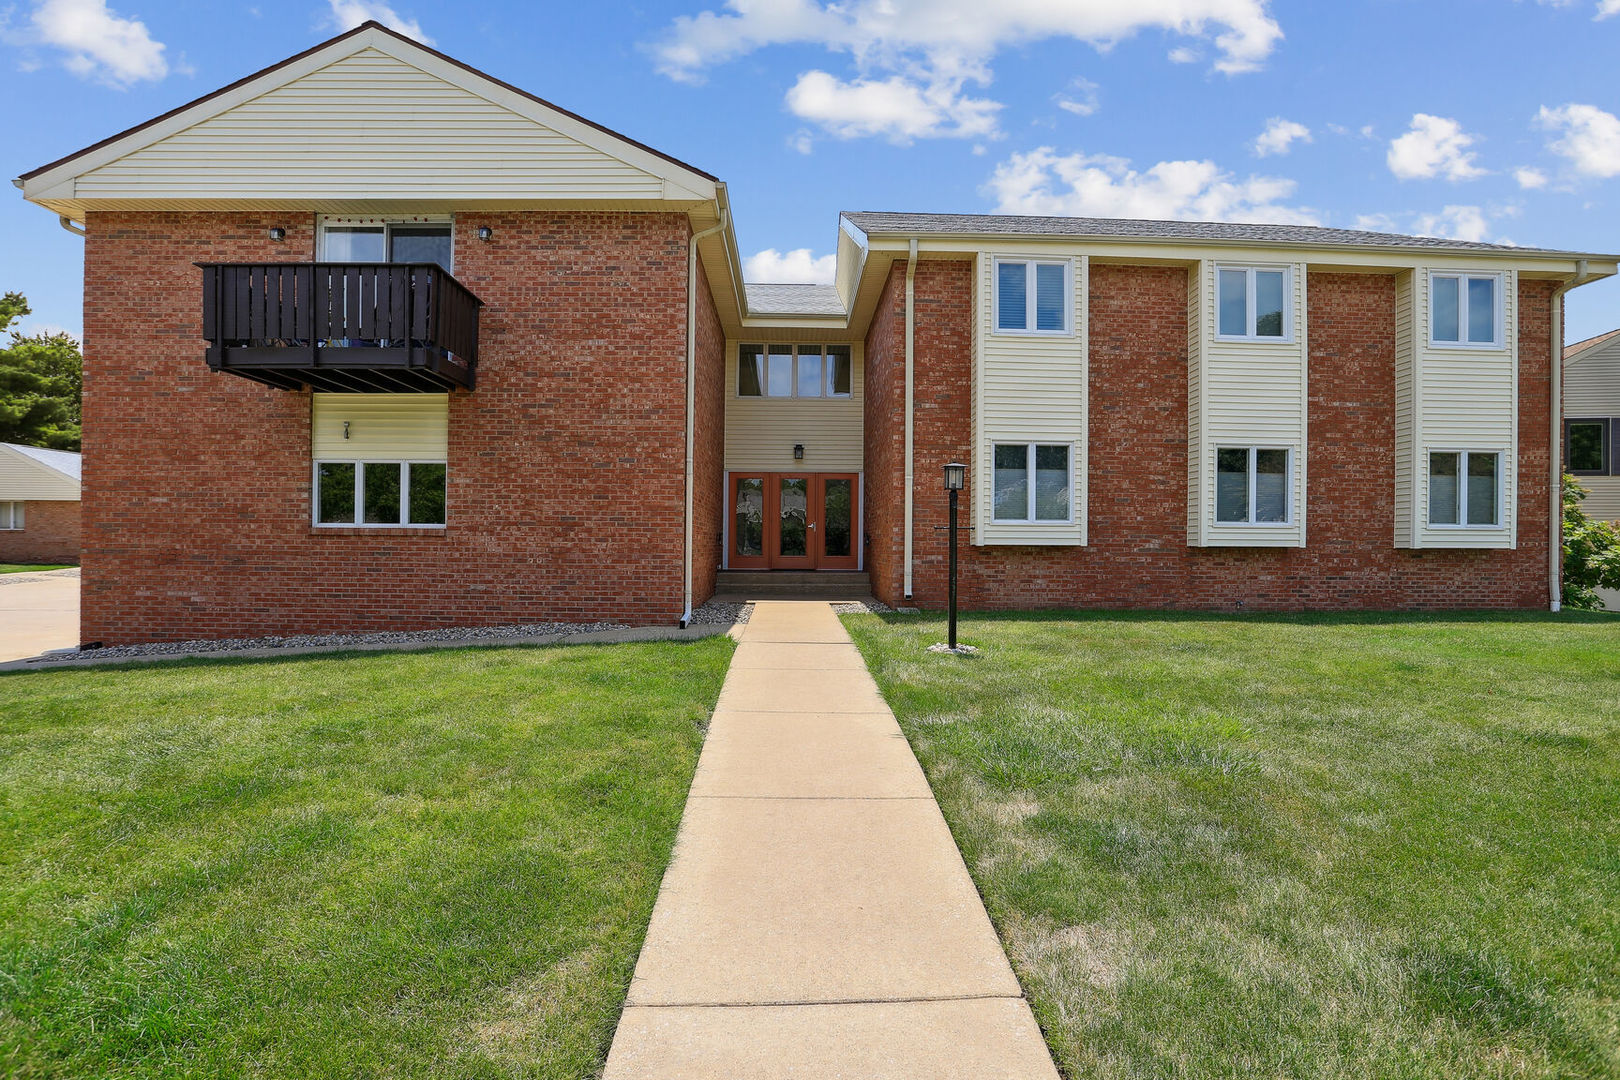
[794, 584]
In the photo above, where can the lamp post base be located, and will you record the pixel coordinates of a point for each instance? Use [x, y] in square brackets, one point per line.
[959, 650]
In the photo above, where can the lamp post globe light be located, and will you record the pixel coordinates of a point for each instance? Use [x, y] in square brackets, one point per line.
[955, 478]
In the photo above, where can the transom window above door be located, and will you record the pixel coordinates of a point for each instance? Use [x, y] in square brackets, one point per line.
[794, 371]
[1251, 303]
[387, 242]
[1032, 296]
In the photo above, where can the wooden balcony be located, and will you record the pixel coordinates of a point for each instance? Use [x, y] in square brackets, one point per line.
[345, 327]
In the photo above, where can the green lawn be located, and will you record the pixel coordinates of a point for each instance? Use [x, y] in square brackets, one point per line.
[30, 568]
[1287, 847]
[435, 864]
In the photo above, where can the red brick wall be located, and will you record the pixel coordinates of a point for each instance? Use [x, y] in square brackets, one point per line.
[50, 534]
[709, 447]
[565, 488]
[1138, 555]
[885, 423]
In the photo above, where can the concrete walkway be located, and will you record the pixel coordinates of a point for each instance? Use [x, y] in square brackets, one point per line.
[817, 920]
[37, 612]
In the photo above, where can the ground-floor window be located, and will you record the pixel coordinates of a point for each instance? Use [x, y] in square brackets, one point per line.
[1031, 482]
[11, 516]
[1465, 488]
[380, 493]
[1251, 485]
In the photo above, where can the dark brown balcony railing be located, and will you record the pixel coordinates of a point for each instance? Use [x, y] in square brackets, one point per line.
[348, 327]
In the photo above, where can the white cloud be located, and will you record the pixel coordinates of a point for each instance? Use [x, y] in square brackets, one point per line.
[798, 267]
[98, 43]
[1606, 8]
[1435, 146]
[1083, 101]
[915, 56]
[1098, 185]
[1181, 54]
[1376, 223]
[1279, 136]
[1454, 223]
[1586, 135]
[347, 14]
[896, 108]
[801, 141]
[1530, 179]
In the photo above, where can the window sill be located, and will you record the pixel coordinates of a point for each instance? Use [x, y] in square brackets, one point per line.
[1032, 333]
[1232, 339]
[1472, 346]
[390, 530]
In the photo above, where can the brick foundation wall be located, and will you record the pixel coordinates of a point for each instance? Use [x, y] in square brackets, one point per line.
[1138, 555]
[709, 444]
[50, 534]
[884, 416]
[565, 464]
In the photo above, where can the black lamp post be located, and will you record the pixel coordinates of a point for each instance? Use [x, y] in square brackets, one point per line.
[955, 477]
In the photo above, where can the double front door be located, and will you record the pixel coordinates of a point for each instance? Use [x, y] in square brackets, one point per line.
[795, 521]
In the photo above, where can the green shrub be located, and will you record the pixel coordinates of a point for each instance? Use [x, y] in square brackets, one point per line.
[1591, 551]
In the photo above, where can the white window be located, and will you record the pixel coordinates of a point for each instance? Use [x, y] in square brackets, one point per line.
[1032, 297]
[1465, 310]
[1251, 303]
[379, 494]
[1465, 488]
[11, 516]
[1031, 482]
[803, 371]
[1252, 485]
[376, 241]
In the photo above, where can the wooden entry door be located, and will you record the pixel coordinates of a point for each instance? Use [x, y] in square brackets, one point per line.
[794, 521]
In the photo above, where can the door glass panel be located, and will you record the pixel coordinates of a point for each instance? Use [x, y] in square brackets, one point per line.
[838, 518]
[750, 510]
[795, 534]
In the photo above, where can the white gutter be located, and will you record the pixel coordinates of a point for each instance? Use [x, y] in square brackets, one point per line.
[911, 326]
[691, 409]
[1555, 560]
[67, 223]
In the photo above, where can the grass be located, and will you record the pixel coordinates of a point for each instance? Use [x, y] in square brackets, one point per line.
[434, 864]
[29, 568]
[1287, 847]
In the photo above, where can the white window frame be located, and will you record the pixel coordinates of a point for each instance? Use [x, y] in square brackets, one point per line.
[1029, 517]
[793, 374]
[1250, 294]
[1498, 316]
[11, 516]
[1462, 488]
[387, 225]
[1254, 458]
[1029, 264]
[360, 493]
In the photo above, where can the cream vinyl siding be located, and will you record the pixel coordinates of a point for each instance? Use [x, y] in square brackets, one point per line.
[368, 126]
[382, 427]
[761, 431]
[1244, 393]
[1592, 382]
[1405, 405]
[1450, 398]
[23, 479]
[1603, 497]
[1028, 388]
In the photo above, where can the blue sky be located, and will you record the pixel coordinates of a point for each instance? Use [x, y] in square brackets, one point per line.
[1481, 119]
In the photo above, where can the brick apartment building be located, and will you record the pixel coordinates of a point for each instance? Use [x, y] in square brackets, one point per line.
[326, 392]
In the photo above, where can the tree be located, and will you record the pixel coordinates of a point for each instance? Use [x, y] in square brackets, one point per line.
[41, 382]
[1591, 552]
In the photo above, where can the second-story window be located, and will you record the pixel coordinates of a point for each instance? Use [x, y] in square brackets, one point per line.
[1251, 303]
[1032, 296]
[385, 242]
[1466, 310]
[794, 371]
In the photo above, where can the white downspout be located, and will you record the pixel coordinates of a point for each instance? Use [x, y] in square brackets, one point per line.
[691, 411]
[911, 327]
[70, 225]
[1555, 567]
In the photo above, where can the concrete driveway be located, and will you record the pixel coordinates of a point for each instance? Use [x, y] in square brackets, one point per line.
[38, 612]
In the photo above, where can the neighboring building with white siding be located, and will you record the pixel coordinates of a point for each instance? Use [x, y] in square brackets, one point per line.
[1592, 421]
[39, 505]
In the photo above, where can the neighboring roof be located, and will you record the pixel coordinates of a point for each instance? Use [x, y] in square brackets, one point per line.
[792, 299]
[65, 462]
[46, 182]
[1570, 351]
[1019, 225]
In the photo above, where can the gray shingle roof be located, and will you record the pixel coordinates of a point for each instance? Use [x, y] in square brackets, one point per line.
[63, 461]
[793, 300]
[1132, 228]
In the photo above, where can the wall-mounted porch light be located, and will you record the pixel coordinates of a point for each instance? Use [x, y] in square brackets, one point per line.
[278, 234]
[798, 451]
[485, 233]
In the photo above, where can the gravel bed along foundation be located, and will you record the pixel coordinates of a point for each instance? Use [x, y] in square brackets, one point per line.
[722, 611]
[861, 607]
